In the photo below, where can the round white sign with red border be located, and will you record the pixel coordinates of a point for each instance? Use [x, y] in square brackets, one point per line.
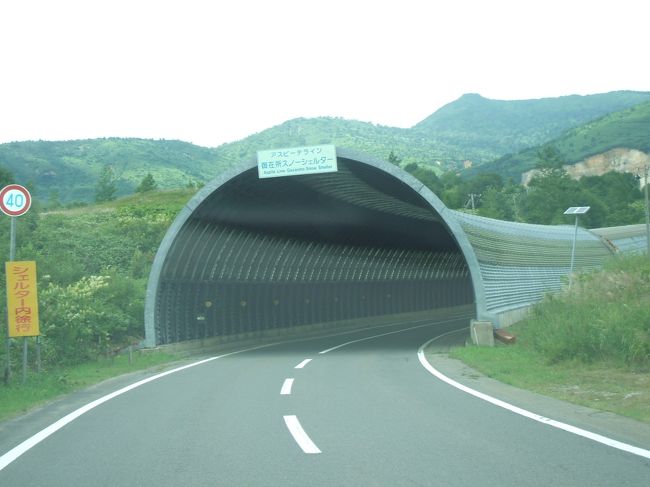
[15, 200]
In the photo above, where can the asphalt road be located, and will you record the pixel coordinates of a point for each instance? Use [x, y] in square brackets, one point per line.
[357, 409]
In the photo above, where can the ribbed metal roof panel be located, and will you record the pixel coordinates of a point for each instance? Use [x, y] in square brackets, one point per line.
[520, 262]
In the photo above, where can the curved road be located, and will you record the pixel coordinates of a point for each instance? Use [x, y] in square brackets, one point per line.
[355, 409]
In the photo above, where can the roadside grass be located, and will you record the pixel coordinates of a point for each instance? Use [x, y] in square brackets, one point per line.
[589, 345]
[606, 386]
[17, 398]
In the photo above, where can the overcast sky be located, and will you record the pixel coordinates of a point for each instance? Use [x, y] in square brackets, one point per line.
[210, 72]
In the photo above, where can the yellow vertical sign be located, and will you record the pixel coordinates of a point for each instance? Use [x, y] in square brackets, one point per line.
[22, 299]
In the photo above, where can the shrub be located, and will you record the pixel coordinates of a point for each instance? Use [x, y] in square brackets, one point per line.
[89, 318]
[604, 317]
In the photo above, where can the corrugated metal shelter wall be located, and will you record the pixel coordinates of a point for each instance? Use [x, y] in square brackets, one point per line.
[520, 262]
[227, 280]
[629, 239]
[249, 255]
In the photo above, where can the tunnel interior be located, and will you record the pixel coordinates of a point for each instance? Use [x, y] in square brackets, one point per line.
[258, 254]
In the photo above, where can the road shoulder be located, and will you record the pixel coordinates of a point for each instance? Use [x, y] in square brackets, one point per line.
[601, 422]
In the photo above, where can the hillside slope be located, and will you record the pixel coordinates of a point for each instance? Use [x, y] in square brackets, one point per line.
[471, 128]
[629, 129]
[502, 127]
[70, 170]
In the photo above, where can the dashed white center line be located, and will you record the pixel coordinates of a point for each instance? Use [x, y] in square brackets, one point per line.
[303, 363]
[286, 387]
[299, 435]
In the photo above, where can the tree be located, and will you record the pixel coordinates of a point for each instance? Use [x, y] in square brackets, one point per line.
[502, 204]
[148, 183]
[106, 187]
[549, 159]
[393, 159]
[547, 198]
[6, 177]
[426, 176]
[54, 200]
[484, 181]
[618, 192]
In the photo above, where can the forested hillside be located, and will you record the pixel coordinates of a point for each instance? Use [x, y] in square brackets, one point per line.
[471, 128]
[500, 127]
[629, 128]
[69, 171]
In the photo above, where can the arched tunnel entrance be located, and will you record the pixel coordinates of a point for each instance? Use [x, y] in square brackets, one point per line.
[248, 255]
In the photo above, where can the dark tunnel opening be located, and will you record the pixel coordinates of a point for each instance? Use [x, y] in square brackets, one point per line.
[258, 254]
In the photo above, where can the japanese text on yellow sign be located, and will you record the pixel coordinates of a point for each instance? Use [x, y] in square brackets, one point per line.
[22, 299]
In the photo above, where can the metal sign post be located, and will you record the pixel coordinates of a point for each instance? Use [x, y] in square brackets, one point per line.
[647, 212]
[15, 200]
[577, 211]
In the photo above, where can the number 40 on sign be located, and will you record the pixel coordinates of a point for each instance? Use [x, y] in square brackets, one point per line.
[15, 200]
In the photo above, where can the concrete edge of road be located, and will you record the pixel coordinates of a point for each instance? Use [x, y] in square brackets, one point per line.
[600, 422]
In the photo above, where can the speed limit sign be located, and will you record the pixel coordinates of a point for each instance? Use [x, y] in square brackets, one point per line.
[15, 200]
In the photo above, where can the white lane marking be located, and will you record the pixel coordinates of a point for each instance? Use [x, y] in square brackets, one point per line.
[388, 333]
[34, 440]
[523, 412]
[286, 387]
[303, 363]
[299, 435]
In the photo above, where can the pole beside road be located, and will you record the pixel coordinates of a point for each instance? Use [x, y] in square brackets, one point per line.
[15, 200]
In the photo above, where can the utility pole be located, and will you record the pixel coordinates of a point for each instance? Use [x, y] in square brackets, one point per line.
[514, 207]
[471, 200]
[647, 212]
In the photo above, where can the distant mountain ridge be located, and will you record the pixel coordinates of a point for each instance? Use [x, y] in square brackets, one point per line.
[471, 128]
[625, 129]
[503, 127]
[69, 170]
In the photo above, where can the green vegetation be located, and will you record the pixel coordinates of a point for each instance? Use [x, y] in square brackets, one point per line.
[615, 198]
[70, 170]
[603, 318]
[627, 128]
[93, 261]
[471, 128]
[106, 186]
[93, 264]
[40, 388]
[502, 127]
[589, 345]
[148, 183]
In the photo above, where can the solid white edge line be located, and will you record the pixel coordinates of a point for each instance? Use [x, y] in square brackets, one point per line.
[523, 412]
[34, 440]
[298, 433]
[286, 387]
[303, 363]
[401, 330]
[11, 455]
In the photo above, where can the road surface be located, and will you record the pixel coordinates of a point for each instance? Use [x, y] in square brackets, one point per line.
[355, 409]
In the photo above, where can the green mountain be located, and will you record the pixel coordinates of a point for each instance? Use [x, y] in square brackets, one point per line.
[629, 129]
[470, 128]
[376, 140]
[492, 127]
[70, 170]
